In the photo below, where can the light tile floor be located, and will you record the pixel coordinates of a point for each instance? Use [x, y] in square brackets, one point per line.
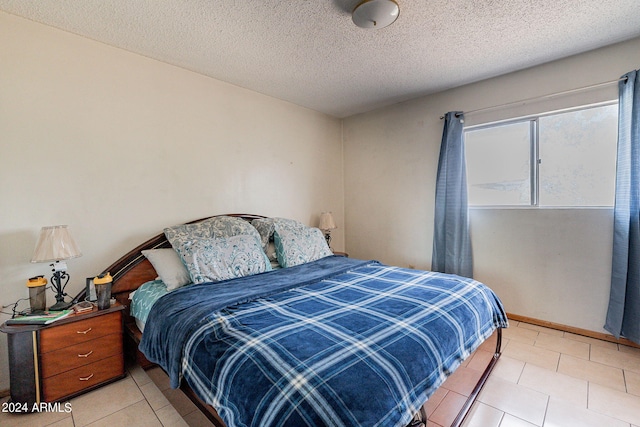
[550, 378]
[545, 378]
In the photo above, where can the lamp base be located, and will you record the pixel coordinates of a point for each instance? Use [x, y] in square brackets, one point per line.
[59, 306]
[327, 236]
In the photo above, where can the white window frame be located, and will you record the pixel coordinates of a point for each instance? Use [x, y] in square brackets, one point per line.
[534, 155]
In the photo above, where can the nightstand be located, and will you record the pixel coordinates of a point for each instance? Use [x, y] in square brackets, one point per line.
[66, 358]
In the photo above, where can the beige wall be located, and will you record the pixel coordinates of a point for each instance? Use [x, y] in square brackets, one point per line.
[118, 146]
[548, 264]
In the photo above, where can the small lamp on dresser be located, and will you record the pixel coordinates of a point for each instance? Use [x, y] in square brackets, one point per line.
[326, 225]
[55, 245]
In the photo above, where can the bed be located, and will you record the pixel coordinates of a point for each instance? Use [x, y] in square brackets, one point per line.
[325, 340]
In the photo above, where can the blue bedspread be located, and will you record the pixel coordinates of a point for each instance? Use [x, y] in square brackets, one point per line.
[335, 342]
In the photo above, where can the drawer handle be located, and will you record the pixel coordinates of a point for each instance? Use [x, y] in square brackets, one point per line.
[86, 355]
[84, 332]
[86, 378]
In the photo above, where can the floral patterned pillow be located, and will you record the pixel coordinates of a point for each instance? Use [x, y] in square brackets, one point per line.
[217, 226]
[295, 246]
[216, 259]
[265, 227]
[227, 226]
[181, 233]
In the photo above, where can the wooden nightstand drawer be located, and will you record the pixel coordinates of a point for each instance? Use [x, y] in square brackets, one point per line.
[57, 337]
[75, 380]
[73, 355]
[65, 359]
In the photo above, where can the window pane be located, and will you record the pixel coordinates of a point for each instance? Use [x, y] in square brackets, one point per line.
[498, 165]
[578, 157]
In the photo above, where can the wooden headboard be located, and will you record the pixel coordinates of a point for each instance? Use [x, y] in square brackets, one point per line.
[133, 269]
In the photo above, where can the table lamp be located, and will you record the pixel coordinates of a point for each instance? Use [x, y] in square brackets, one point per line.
[326, 225]
[55, 245]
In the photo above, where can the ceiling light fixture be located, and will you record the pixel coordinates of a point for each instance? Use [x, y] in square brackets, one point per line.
[375, 13]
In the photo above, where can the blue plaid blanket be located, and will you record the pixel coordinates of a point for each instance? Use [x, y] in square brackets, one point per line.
[355, 344]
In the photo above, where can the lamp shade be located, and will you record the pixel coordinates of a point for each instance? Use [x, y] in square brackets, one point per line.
[327, 222]
[375, 13]
[55, 243]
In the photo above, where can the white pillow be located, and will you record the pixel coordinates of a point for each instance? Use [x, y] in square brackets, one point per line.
[169, 267]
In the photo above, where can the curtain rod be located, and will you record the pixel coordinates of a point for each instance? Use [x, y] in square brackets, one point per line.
[551, 95]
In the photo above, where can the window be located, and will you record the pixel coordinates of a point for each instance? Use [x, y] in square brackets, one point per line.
[559, 159]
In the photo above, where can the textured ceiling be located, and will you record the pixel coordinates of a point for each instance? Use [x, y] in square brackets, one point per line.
[310, 53]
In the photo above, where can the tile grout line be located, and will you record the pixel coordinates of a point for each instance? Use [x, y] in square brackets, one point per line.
[155, 412]
[588, 393]
[546, 410]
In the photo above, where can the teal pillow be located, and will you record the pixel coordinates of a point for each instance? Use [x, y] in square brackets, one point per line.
[295, 246]
[266, 226]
